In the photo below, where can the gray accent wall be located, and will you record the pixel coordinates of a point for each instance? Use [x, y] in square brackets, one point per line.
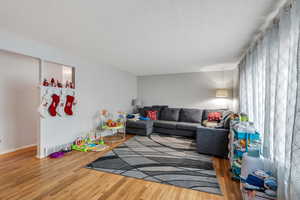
[191, 90]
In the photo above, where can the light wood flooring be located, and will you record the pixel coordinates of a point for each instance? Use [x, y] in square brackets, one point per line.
[24, 177]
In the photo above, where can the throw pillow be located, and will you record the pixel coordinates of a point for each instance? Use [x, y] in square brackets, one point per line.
[214, 116]
[158, 109]
[152, 114]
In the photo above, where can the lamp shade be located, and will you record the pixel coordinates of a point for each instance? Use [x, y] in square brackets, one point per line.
[222, 93]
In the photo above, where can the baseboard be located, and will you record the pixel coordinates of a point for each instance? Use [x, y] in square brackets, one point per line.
[2, 153]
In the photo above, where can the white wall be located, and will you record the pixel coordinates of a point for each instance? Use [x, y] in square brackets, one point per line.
[191, 90]
[57, 71]
[97, 87]
[52, 70]
[18, 102]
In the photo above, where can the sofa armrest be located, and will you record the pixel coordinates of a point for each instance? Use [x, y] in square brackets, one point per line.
[212, 141]
[219, 130]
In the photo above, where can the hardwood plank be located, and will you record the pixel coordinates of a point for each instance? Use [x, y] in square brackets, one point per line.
[10, 154]
[23, 176]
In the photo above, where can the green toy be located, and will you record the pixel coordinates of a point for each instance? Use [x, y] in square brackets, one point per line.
[86, 144]
[101, 141]
[244, 118]
[82, 148]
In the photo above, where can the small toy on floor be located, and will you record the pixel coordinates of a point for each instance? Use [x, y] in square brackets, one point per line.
[57, 154]
[86, 144]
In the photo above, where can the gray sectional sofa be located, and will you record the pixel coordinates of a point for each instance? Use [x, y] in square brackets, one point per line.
[176, 121]
[183, 122]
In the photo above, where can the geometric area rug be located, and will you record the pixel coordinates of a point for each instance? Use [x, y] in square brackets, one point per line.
[164, 159]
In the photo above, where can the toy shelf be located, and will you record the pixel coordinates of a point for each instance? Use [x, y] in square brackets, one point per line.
[241, 142]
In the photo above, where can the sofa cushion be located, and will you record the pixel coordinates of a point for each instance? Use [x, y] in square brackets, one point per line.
[165, 124]
[188, 126]
[170, 114]
[173, 132]
[142, 124]
[190, 115]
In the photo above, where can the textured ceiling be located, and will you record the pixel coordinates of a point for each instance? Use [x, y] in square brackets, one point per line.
[142, 36]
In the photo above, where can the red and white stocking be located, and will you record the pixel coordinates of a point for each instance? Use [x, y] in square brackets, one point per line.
[43, 107]
[53, 105]
[69, 103]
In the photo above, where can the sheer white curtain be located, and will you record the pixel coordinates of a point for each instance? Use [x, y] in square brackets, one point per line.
[269, 76]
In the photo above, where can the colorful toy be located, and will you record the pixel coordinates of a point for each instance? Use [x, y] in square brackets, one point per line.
[45, 83]
[101, 141]
[87, 143]
[111, 123]
[243, 143]
[104, 112]
[122, 115]
[115, 123]
[59, 84]
[72, 85]
[67, 84]
[52, 83]
[57, 154]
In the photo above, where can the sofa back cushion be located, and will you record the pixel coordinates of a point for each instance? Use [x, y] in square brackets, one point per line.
[170, 114]
[160, 106]
[190, 115]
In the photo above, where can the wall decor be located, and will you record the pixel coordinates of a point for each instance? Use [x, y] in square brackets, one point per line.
[56, 100]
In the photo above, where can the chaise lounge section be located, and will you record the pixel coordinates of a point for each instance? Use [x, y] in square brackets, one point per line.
[212, 141]
[140, 127]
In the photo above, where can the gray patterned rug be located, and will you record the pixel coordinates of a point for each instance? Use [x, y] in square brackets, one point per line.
[164, 159]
